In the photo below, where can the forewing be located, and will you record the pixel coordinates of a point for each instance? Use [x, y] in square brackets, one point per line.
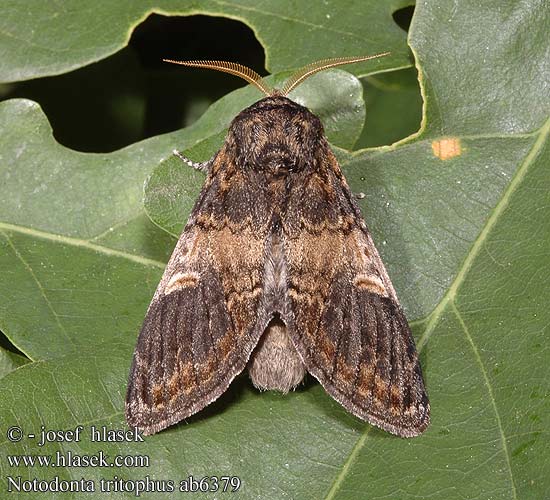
[342, 311]
[207, 313]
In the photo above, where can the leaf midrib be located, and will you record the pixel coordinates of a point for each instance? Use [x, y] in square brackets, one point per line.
[448, 299]
[518, 177]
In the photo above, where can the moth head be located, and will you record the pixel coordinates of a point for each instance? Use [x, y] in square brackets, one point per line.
[275, 135]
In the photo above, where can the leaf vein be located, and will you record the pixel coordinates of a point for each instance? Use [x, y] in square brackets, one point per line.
[40, 287]
[491, 397]
[67, 240]
[348, 463]
[292, 19]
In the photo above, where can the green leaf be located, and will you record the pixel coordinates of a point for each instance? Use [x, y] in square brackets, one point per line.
[49, 38]
[465, 239]
[395, 108]
[9, 361]
[476, 80]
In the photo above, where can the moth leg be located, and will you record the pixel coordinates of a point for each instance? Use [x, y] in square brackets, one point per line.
[359, 196]
[202, 166]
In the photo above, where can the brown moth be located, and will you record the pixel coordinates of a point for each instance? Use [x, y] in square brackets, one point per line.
[276, 272]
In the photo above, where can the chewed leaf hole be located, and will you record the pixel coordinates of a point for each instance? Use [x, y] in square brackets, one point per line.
[133, 95]
[403, 17]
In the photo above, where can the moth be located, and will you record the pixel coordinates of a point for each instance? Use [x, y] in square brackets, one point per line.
[276, 272]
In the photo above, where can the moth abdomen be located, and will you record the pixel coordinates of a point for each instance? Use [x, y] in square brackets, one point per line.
[275, 364]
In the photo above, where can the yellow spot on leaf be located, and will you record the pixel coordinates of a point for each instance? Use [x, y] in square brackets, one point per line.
[447, 148]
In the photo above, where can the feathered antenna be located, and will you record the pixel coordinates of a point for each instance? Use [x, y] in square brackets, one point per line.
[230, 67]
[298, 77]
[255, 79]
